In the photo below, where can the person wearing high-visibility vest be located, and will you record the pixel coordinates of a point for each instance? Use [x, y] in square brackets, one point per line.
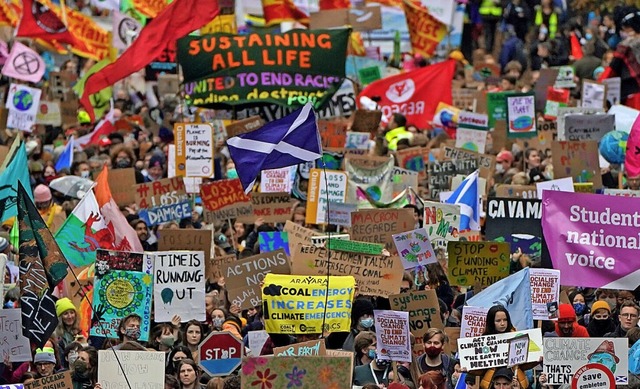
[546, 18]
[490, 12]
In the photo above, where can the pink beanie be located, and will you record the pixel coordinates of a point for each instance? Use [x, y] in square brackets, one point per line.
[42, 194]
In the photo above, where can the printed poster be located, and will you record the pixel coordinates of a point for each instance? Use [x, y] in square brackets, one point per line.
[392, 335]
[194, 150]
[545, 289]
[22, 103]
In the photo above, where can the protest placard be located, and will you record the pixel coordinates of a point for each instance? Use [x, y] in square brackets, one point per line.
[213, 266]
[321, 240]
[564, 111]
[594, 95]
[473, 120]
[333, 133]
[521, 115]
[473, 321]
[49, 113]
[162, 201]
[392, 335]
[185, 239]
[335, 243]
[378, 225]
[221, 67]
[273, 240]
[257, 339]
[323, 370]
[412, 159]
[276, 180]
[517, 222]
[194, 149]
[497, 107]
[340, 213]
[490, 351]
[297, 304]
[560, 184]
[614, 85]
[453, 333]
[423, 309]
[366, 121]
[473, 263]
[311, 348]
[545, 289]
[357, 140]
[141, 369]
[556, 98]
[577, 159]
[271, 207]
[297, 234]
[472, 140]
[442, 222]
[121, 183]
[376, 179]
[13, 345]
[414, 248]
[243, 277]
[376, 275]
[324, 186]
[621, 192]
[178, 285]
[441, 173]
[563, 357]
[518, 350]
[57, 380]
[243, 126]
[225, 200]
[404, 179]
[586, 127]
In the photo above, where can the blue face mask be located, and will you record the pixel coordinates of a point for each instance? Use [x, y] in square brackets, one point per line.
[579, 308]
[372, 354]
[366, 323]
[588, 36]
[232, 173]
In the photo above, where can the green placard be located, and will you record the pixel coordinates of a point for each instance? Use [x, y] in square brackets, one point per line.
[288, 69]
[369, 75]
[497, 107]
[355, 247]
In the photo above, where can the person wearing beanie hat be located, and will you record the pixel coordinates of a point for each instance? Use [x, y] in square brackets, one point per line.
[5, 246]
[233, 325]
[52, 214]
[567, 325]
[68, 322]
[600, 321]
[361, 320]
[45, 361]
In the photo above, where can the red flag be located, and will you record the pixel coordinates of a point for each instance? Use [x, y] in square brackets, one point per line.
[415, 94]
[177, 20]
[39, 21]
[632, 156]
[334, 4]
[576, 49]
[102, 130]
[278, 11]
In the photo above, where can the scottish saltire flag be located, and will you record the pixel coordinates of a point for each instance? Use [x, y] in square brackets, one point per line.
[513, 293]
[466, 196]
[292, 140]
[65, 160]
[15, 171]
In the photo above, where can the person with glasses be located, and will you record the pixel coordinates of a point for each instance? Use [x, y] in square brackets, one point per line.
[628, 319]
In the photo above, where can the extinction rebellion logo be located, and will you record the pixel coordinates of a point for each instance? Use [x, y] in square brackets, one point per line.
[401, 91]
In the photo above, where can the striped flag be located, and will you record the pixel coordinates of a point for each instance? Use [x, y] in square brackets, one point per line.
[292, 140]
[466, 196]
[65, 160]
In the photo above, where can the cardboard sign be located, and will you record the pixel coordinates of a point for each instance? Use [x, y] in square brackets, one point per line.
[185, 239]
[375, 275]
[296, 304]
[225, 200]
[473, 321]
[486, 163]
[473, 263]
[61, 86]
[614, 85]
[516, 191]
[465, 98]
[179, 285]
[323, 370]
[578, 159]
[122, 183]
[412, 159]
[166, 191]
[545, 289]
[324, 186]
[243, 126]
[256, 340]
[441, 173]
[271, 207]
[360, 19]
[565, 77]
[57, 380]
[194, 149]
[453, 333]
[562, 112]
[213, 266]
[442, 222]
[49, 113]
[392, 335]
[333, 133]
[340, 213]
[312, 348]
[472, 140]
[168, 84]
[521, 115]
[297, 234]
[594, 95]
[518, 350]
[414, 248]
[366, 121]
[243, 277]
[484, 352]
[586, 127]
[564, 357]
[276, 180]
[143, 369]
[423, 309]
[13, 344]
[357, 140]
[378, 225]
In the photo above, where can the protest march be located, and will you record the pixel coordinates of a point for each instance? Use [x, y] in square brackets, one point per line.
[335, 194]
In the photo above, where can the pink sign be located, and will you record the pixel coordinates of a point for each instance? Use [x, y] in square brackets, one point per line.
[594, 242]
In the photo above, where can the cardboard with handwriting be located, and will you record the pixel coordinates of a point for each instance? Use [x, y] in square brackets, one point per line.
[379, 225]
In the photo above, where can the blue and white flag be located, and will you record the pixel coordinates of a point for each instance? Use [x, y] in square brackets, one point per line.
[466, 196]
[15, 170]
[513, 293]
[65, 160]
[292, 140]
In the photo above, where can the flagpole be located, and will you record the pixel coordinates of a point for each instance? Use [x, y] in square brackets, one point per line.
[63, 7]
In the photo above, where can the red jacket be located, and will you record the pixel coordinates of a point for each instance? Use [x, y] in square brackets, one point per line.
[578, 331]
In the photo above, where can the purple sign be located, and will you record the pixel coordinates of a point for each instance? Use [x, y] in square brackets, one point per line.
[593, 241]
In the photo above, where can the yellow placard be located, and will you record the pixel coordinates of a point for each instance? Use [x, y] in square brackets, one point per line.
[296, 304]
[221, 23]
[478, 263]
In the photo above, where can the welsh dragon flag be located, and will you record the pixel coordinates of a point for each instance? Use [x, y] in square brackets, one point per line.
[96, 223]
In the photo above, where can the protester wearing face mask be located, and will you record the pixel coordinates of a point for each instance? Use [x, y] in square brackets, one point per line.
[163, 336]
[433, 358]
[52, 214]
[580, 307]
[122, 157]
[81, 169]
[84, 370]
[361, 320]
[600, 321]
[376, 372]
[365, 346]
[129, 330]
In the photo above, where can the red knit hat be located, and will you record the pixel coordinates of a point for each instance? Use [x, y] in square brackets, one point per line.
[566, 313]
